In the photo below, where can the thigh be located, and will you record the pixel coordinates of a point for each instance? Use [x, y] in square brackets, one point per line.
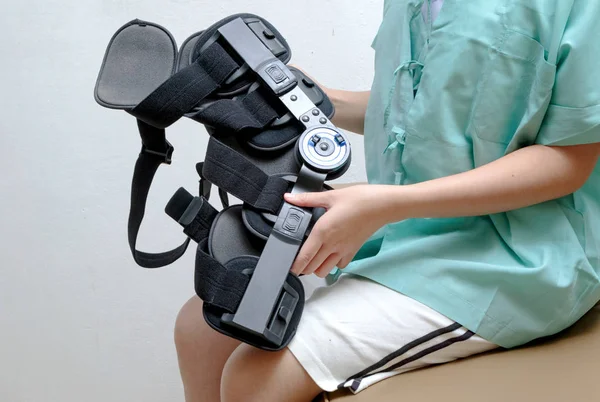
[358, 332]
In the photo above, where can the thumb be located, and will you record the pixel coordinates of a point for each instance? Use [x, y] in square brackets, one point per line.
[316, 199]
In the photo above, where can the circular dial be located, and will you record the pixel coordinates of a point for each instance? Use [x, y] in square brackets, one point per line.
[324, 149]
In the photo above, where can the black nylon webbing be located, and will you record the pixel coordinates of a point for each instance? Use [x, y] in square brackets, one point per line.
[252, 111]
[154, 143]
[235, 174]
[215, 284]
[205, 187]
[184, 90]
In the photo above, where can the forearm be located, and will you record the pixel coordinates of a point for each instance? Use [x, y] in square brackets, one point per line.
[350, 109]
[529, 176]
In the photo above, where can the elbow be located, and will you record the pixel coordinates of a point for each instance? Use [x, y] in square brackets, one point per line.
[579, 163]
[573, 182]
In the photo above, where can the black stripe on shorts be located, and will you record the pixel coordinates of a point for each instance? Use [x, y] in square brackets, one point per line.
[432, 349]
[404, 349]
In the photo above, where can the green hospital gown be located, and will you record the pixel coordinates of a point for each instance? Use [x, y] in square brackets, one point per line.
[486, 78]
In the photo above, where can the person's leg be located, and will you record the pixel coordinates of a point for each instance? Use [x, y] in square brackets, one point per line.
[202, 353]
[352, 335]
[254, 375]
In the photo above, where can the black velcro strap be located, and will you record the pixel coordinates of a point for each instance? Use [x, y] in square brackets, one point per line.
[205, 187]
[184, 90]
[155, 151]
[199, 228]
[195, 214]
[217, 285]
[224, 198]
[252, 111]
[235, 174]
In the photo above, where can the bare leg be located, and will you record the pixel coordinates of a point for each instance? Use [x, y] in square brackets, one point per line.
[254, 375]
[202, 353]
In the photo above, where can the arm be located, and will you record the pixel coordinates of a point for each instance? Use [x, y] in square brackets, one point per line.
[350, 109]
[523, 178]
[529, 176]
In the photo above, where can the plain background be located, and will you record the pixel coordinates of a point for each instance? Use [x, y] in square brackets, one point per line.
[79, 321]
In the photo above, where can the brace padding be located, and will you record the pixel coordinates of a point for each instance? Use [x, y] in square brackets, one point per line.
[229, 238]
[139, 57]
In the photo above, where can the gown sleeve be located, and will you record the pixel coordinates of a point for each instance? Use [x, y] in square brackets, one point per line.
[573, 116]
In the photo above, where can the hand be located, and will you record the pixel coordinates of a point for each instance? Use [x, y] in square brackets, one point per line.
[352, 215]
[324, 88]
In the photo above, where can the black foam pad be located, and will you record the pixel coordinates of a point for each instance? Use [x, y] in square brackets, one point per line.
[140, 56]
[256, 223]
[186, 51]
[276, 138]
[229, 238]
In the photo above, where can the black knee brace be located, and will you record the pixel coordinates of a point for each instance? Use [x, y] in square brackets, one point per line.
[270, 133]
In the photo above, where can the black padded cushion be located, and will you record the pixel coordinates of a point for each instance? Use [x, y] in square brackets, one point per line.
[139, 57]
[256, 223]
[276, 138]
[184, 58]
[229, 238]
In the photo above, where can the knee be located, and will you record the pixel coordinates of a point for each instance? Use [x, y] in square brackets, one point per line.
[252, 375]
[240, 380]
[189, 325]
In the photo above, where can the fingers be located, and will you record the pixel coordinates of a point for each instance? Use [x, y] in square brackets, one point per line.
[307, 253]
[331, 262]
[344, 262]
[305, 73]
[317, 199]
[318, 260]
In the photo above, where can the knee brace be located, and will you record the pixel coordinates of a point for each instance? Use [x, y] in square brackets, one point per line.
[269, 133]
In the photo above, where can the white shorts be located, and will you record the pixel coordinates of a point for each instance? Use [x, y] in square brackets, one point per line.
[356, 332]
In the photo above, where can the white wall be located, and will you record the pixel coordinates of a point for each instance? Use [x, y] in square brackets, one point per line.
[79, 321]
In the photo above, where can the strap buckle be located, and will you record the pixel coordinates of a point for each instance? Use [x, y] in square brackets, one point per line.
[165, 155]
